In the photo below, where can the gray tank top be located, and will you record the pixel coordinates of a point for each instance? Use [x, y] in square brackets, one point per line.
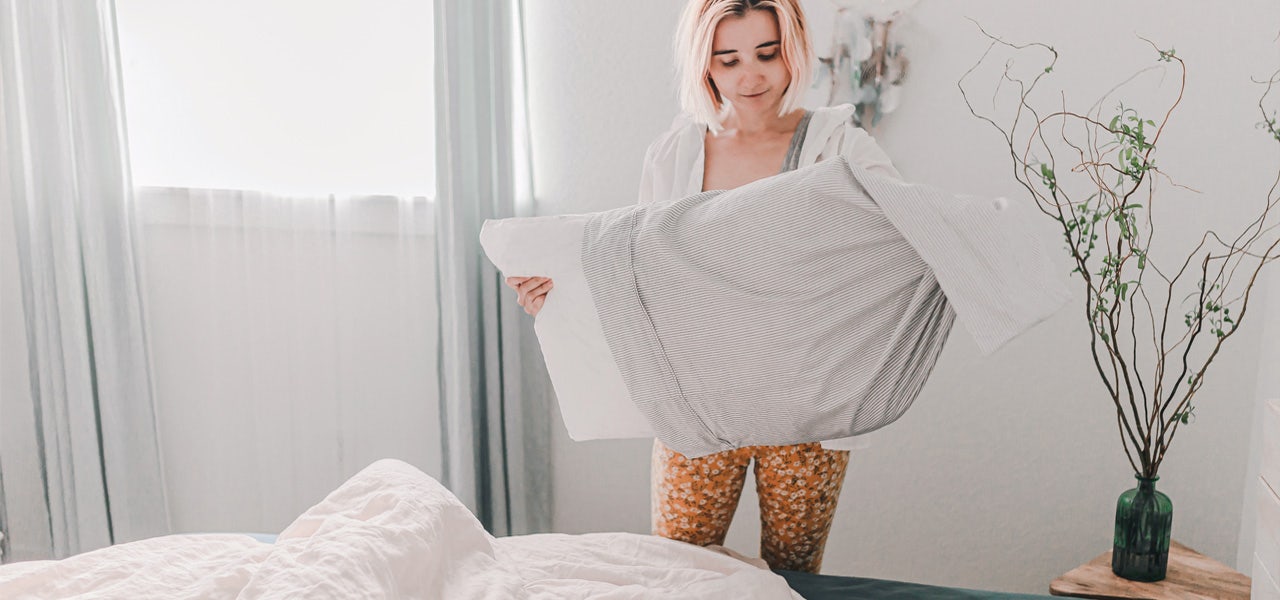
[797, 141]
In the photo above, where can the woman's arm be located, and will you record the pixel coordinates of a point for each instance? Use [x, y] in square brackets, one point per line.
[531, 292]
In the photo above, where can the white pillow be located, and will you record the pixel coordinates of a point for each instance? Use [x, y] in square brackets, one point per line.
[593, 397]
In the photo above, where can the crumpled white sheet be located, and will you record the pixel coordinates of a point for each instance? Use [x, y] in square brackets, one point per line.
[391, 531]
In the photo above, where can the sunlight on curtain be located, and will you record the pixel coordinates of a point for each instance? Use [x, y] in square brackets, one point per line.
[285, 96]
[283, 152]
[295, 343]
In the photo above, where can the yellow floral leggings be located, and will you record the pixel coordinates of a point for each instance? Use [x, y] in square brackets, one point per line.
[695, 498]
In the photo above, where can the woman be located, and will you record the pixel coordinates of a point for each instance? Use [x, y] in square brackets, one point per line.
[744, 67]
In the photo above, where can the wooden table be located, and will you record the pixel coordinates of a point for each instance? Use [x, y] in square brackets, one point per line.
[1191, 576]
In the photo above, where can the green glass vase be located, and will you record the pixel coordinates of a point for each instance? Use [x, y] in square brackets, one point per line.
[1144, 520]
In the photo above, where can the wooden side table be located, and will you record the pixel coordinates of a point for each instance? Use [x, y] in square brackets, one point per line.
[1191, 576]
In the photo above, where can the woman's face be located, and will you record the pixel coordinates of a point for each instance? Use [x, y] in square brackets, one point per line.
[746, 61]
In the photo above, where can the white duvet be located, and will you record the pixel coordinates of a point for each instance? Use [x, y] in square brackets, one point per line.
[391, 531]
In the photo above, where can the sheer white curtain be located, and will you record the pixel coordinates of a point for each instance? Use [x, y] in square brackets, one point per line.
[299, 337]
[89, 399]
[293, 323]
[295, 343]
[292, 338]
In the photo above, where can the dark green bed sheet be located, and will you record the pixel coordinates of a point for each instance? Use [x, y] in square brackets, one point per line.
[834, 587]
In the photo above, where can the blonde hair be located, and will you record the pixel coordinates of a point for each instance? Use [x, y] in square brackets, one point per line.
[698, 95]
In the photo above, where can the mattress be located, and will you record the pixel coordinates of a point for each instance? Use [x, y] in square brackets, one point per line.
[835, 587]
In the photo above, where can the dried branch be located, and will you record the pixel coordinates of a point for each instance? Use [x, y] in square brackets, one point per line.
[1109, 236]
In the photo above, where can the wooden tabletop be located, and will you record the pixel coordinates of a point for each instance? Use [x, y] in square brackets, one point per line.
[1191, 576]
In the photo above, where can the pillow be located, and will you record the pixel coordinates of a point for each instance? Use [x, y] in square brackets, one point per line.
[593, 397]
[810, 305]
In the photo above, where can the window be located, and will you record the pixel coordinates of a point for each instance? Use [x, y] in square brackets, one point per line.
[283, 96]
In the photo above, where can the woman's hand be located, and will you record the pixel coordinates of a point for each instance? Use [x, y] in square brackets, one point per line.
[531, 292]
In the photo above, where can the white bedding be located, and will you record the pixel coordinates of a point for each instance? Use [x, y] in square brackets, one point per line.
[393, 532]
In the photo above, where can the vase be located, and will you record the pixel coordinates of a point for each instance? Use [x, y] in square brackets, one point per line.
[1144, 520]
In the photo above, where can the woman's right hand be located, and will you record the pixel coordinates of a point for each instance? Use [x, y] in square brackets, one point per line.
[531, 292]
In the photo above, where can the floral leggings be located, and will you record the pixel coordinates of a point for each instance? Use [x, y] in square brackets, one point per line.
[695, 498]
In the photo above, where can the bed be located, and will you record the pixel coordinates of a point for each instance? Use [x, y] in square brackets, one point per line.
[834, 587]
[392, 531]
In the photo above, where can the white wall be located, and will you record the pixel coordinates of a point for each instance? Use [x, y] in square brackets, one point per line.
[1268, 389]
[1005, 473]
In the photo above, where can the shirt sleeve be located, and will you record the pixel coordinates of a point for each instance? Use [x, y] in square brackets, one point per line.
[648, 176]
[666, 163]
[859, 148]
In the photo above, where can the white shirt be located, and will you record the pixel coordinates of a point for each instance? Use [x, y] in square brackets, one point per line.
[674, 164]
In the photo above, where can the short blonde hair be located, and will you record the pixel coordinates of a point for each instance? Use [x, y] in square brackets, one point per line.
[698, 95]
